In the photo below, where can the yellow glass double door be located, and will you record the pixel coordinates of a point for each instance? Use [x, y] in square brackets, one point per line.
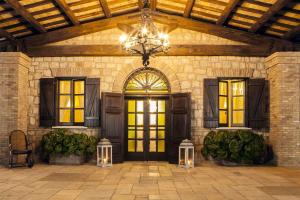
[146, 133]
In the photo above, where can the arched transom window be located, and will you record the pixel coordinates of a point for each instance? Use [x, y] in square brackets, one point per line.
[147, 81]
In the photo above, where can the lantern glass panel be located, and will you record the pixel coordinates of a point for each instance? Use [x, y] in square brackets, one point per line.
[104, 158]
[109, 155]
[182, 156]
[190, 156]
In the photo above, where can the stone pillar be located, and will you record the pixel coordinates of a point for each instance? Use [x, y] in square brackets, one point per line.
[283, 72]
[14, 68]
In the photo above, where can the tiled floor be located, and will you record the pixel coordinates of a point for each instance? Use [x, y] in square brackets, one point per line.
[152, 180]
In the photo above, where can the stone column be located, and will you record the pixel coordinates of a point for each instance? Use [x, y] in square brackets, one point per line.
[283, 72]
[14, 68]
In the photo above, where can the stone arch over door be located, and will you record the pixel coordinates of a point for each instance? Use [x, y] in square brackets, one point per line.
[127, 70]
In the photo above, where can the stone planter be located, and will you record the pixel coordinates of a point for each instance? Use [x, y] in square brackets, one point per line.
[66, 160]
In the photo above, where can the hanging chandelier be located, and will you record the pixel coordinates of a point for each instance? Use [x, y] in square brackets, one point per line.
[145, 40]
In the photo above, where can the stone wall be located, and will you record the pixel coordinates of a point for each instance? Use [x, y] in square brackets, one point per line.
[185, 74]
[283, 71]
[13, 97]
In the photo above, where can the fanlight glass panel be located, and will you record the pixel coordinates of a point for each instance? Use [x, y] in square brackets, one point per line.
[147, 81]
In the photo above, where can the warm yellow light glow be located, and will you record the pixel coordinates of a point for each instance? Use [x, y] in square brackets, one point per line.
[79, 87]
[140, 106]
[64, 87]
[127, 45]
[65, 116]
[123, 38]
[79, 116]
[153, 106]
[144, 31]
[231, 102]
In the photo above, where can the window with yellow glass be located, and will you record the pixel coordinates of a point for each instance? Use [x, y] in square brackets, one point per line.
[232, 103]
[71, 97]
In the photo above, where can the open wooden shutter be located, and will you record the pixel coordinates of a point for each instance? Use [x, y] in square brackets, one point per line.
[47, 102]
[112, 122]
[180, 123]
[92, 108]
[258, 103]
[210, 103]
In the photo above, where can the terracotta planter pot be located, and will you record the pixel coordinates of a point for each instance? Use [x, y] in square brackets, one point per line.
[66, 160]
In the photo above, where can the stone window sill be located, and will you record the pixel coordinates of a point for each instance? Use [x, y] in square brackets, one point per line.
[234, 128]
[70, 127]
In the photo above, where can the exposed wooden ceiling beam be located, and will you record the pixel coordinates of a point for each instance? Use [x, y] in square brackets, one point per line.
[10, 37]
[188, 8]
[79, 3]
[292, 33]
[259, 3]
[82, 29]
[275, 8]
[36, 4]
[251, 10]
[7, 35]
[26, 15]
[224, 32]
[141, 4]
[153, 4]
[228, 9]
[217, 2]
[66, 9]
[105, 8]
[175, 50]
[92, 27]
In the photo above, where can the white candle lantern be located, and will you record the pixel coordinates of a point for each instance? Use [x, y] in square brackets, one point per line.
[186, 154]
[104, 153]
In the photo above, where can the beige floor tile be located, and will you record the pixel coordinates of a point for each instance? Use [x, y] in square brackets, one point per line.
[150, 180]
[123, 197]
[94, 194]
[66, 195]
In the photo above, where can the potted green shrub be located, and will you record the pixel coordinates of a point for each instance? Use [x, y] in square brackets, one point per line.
[234, 147]
[63, 147]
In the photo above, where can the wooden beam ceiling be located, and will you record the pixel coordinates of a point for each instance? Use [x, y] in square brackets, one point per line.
[228, 9]
[12, 40]
[18, 8]
[141, 4]
[153, 4]
[92, 27]
[175, 50]
[83, 29]
[105, 8]
[224, 32]
[188, 8]
[275, 8]
[7, 35]
[66, 9]
[291, 34]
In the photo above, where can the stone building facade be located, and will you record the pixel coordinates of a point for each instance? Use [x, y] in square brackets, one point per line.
[185, 74]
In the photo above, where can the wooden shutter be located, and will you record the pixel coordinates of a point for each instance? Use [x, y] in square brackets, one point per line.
[180, 123]
[258, 103]
[112, 122]
[92, 108]
[210, 103]
[47, 102]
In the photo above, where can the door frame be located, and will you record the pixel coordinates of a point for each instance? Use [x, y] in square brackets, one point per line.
[143, 156]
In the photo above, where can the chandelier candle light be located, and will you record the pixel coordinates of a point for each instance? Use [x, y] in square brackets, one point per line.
[145, 40]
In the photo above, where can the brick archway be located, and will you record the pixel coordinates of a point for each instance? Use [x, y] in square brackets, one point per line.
[127, 70]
